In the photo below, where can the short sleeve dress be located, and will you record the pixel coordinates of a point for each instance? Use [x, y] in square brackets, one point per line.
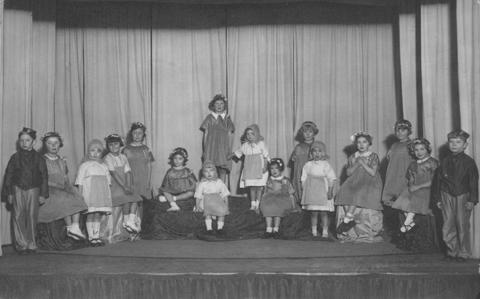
[256, 157]
[361, 189]
[398, 161]
[177, 181]
[119, 164]
[64, 200]
[418, 202]
[277, 199]
[317, 176]
[217, 143]
[213, 195]
[95, 180]
[140, 158]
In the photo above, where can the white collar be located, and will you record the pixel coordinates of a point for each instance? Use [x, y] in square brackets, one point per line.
[277, 178]
[422, 160]
[216, 115]
[51, 158]
[365, 154]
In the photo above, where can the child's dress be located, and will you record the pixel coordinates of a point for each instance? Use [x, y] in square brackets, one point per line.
[213, 195]
[277, 199]
[95, 180]
[119, 165]
[256, 157]
[361, 189]
[139, 159]
[299, 157]
[177, 181]
[64, 200]
[217, 144]
[398, 161]
[418, 202]
[317, 176]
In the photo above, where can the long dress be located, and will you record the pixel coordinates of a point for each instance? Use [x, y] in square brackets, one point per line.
[398, 161]
[217, 145]
[317, 177]
[299, 158]
[140, 159]
[256, 157]
[64, 200]
[277, 199]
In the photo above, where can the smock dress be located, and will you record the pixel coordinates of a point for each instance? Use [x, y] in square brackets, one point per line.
[278, 198]
[95, 180]
[119, 164]
[317, 177]
[217, 145]
[213, 196]
[178, 181]
[140, 159]
[256, 158]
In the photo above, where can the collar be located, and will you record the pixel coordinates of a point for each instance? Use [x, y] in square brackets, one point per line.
[277, 178]
[365, 154]
[51, 158]
[423, 160]
[216, 115]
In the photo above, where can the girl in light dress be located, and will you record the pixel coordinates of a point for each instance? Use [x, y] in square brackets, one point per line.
[318, 179]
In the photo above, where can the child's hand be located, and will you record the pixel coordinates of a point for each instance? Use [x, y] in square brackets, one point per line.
[128, 190]
[412, 188]
[469, 205]
[230, 156]
[41, 200]
[440, 205]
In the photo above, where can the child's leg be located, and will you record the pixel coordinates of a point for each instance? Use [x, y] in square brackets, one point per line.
[68, 221]
[253, 196]
[220, 222]
[324, 219]
[171, 199]
[258, 196]
[90, 225]
[276, 226]
[268, 221]
[18, 220]
[449, 229]
[314, 220]
[185, 195]
[463, 226]
[31, 212]
[208, 223]
[349, 214]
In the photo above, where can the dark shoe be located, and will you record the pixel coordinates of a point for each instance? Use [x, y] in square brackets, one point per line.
[345, 227]
[210, 233]
[460, 259]
[449, 258]
[276, 235]
[267, 235]
[22, 252]
[221, 233]
[31, 251]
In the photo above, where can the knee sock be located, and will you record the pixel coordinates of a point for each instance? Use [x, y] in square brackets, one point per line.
[90, 229]
[275, 229]
[269, 229]
[409, 218]
[220, 224]
[208, 224]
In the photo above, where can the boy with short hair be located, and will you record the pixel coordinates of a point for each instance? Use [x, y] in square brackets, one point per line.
[455, 190]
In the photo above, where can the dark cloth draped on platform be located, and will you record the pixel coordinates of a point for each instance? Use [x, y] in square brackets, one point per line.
[53, 236]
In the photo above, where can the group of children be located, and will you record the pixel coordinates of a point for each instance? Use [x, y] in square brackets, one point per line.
[118, 175]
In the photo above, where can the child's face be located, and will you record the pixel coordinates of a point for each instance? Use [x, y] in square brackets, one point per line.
[53, 145]
[308, 135]
[317, 153]
[95, 153]
[209, 173]
[362, 144]
[457, 145]
[402, 133]
[219, 106]
[26, 142]
[251, 136]
[275, 170]
[178, 161]
[137, 135]
[420, 151]
[114, 147]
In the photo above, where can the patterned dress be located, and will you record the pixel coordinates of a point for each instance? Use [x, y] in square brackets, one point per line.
[277, 199]
[217, 143]
[177, 181]
[140, 159]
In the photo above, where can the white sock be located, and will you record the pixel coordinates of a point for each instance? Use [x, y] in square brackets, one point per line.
[208, 224]
[269, 229]
[325, 232]
[96, 229]
[314, 230]
[348, 218]
[409, 218]
[174, 198]
[220, 224]
[275, 229]
[89, 226]
[252, 204]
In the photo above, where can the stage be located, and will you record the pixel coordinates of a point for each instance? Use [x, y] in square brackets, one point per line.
[236, 269]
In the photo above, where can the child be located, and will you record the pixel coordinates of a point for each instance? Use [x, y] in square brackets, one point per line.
[64, 200]
[140, 159]
[25, 187]
[318, 179]
[122, 184]
[399, 159]
[455, 190]
[306, 136]
[179, 181]
[254, 175]
[211, 197]
[217, 131]
[363, 187]
[416, 198]
[93, 179]
[278, 199]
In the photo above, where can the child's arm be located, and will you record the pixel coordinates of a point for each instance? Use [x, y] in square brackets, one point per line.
[352, 165]
[473, 186]
[198, 198]
[371, 170]
[42, 167]
[7, 189]
[331, 177]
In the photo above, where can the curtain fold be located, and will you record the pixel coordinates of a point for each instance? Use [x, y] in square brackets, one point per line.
[3, 216]
[468, 41]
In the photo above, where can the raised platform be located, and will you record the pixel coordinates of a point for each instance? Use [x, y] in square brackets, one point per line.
[236, 269]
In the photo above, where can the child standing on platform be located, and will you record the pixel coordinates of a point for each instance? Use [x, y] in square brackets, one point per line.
[363, 187]
[93, 179]
[25, 187]
[254, 175]
[278, 198]
[318, 179]
[416, 198]
[455, 189]
[179, 181]
[122, 183]
[217, 131]
[211, 197]
[140, 159]
[306, 136]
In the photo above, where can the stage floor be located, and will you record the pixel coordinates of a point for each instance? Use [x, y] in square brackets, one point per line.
[194, 259]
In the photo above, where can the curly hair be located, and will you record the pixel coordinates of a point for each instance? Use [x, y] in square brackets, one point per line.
[178, 151]
[365, 135]
[217, 97]
[307, 125]
[277, 161]
[416, 141]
